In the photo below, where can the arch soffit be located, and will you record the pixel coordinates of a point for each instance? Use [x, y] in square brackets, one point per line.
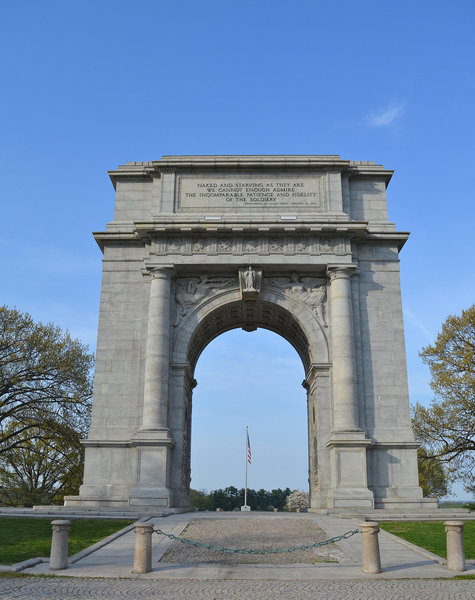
[276, 311]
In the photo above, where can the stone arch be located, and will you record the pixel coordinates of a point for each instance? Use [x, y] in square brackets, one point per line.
[289, 318]
[277, 310]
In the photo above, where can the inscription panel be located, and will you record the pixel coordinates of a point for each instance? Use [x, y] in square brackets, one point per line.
[254, 192]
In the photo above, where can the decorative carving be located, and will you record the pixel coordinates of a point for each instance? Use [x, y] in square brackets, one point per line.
[307, 290]
[189, 291]
[276, 245]
[250, 282]
[251, 245]
[199, 245]
[301, 246]
[225, 245]
[343, 272]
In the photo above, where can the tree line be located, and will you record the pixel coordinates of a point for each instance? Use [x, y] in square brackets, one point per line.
[231, 498]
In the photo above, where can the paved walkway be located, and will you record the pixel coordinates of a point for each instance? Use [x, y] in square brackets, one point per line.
[261, 581]
[63, 589]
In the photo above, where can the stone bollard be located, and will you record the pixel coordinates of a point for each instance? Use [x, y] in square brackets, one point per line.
[455, 549]
[59, 545]
[371, 562]
[143, 548]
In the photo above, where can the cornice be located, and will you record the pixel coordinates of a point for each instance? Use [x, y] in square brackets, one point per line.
[145, 171]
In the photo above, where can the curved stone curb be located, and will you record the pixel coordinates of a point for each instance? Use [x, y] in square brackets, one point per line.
[24, 564]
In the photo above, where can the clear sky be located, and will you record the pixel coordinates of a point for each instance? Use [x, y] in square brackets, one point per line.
[86, 86]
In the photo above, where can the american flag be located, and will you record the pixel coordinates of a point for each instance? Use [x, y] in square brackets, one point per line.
[248, 448]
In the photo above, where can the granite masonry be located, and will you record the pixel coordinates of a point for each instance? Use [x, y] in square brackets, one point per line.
[300, 245]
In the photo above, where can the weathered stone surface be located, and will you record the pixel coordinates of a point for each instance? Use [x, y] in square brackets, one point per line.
[59, 544]
[300, 245]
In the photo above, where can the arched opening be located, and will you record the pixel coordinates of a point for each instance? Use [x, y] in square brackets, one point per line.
[273, 312]
[249, 379]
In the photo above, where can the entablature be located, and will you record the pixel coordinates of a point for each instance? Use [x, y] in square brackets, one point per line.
[299, 236]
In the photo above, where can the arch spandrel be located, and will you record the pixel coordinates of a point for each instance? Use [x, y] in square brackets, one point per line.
[275, 310]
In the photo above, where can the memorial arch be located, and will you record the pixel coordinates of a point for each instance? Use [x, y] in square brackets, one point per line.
[300, 245]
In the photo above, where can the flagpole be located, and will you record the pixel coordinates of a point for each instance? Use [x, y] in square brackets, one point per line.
[245, 461]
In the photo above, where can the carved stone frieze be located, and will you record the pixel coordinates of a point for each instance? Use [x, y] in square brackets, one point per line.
[309, 290]
[190, 291]
[260, 246]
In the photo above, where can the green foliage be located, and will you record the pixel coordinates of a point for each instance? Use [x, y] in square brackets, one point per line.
[200, 500]
[45, 401]
[430, 535]
[44, 469]
[447, 427]
[231, 498]
[432, 476]
[24, 538]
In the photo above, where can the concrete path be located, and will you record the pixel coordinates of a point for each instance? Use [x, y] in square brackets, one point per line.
[116, 558]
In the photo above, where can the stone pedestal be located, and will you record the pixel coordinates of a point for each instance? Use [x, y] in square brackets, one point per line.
[143, 548]
[455, 547]
[371, 560]
[349, 488]
[59, 545]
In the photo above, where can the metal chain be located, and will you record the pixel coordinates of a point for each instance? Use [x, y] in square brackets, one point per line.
[260, 550]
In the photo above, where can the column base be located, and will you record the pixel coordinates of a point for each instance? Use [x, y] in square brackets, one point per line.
[153, 469]
[349, 489]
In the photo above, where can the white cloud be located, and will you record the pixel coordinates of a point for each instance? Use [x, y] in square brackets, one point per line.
[386, 117]
[419, 324]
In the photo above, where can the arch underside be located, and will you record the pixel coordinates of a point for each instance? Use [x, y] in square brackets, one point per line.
[249, 315]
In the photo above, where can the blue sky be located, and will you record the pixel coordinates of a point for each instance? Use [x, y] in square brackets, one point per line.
[87, 86]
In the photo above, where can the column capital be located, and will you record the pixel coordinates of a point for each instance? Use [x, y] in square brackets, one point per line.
[341, 271]
[158, 271]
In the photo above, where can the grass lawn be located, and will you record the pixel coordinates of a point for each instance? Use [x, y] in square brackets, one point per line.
[431, 535]
[23, 538]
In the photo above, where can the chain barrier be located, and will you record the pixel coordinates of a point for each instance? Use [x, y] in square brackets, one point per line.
[332, 540]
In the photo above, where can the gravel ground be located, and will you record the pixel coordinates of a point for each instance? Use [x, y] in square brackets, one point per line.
[254, 533]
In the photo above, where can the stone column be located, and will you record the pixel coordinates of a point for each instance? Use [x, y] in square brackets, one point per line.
[371, 560]
[59, 545]
[155, 403]
[143, 548]
[152, 440]
[347, 442]
[455, 549]
[345, 399]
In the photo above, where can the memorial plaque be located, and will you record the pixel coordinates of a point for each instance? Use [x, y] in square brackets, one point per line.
[248, 191]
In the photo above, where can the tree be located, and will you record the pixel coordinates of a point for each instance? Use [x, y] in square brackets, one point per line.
[201, 500]
[43, 469]
[297, 500]
[45, 401]
[447, 427]
[432, 476]
[278, 497]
